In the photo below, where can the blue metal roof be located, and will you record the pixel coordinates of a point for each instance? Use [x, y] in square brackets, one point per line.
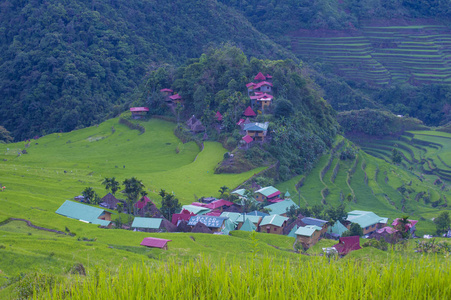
[313, 221]
[209, 221]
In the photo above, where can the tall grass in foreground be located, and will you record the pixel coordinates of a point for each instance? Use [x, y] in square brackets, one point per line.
[403, 278]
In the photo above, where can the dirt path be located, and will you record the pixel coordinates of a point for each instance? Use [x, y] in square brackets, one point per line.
[31, 225]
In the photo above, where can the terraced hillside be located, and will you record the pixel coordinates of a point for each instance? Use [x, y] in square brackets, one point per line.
[383, 52]
[418, 187]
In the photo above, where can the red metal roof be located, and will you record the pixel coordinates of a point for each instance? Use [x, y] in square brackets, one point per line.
[241, 121]
[136, 109]
[274, 195]
[348, 244]
[249, 112]
[260, 76]
[408, 226]
[142, 202]
[175, 97]
[218, 116]
[198, 204]
[247, 139]
[214, 213]
[154, 242]
[262, 83]
[218, 203]
[183, 215]
[166, 90]
[250, 84]
[268, 76]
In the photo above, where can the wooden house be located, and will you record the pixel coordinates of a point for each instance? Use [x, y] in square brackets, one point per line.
[308, 235]
[257, 131]
[215, 224]
[155, 243]
[368, 220]
[109, 201]
[264, 86]
[317, 222]
[261, 100]
[273, 224]
[268, 193]
[85, 213]
[139, 112]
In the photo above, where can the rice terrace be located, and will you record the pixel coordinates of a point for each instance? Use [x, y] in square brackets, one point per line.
[35, 188]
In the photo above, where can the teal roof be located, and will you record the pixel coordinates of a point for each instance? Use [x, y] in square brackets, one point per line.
[253, 219]
[256, 126]
[307, 230]
[287, 194]
[275, 220]
[82, 212]
[233, 216]
[365, 218]
[228, 226]
[280, 208]
[248, 225]
[337, 229]
[293, 231]
[266, 191]
[198, 210]
[149, 223]
[239, 192]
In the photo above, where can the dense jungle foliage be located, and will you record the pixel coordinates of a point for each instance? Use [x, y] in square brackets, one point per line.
[70, 64]
[302, 124]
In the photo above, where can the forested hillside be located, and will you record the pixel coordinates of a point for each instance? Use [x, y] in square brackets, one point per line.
[69, 64]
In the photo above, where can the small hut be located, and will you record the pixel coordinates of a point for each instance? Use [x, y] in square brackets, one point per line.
[182, 226]
[201, 228]
[155, 243]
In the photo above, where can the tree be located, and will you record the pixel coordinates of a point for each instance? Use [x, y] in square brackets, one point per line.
[133, 188]
[442, 222]
[403, 227]
[293, 212]
[354, 230]
[223, 189]
[169, 204]
[5, 135]
[316, 210]
[111, 184]
[396, 156]
[284, 108]
[336, 214]
[89, 194]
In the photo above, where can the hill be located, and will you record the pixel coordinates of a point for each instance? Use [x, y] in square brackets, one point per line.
[67, 64]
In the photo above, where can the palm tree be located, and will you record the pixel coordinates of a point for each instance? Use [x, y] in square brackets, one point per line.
[133, 188]
[223, 189]
[403, 227]
[111, 184]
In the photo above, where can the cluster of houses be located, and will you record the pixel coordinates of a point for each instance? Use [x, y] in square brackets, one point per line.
[219, 216]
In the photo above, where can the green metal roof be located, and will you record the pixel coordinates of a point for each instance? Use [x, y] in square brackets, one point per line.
[287, 194]
[365, 218]
[307, 230]
[266, 191]
[82, 212]
[149, 223]
[198, 210]
[293, 231]
[275, 220]
[228, 226]
[239, 192]
[280, 208]
[248, 225]
[233, 216]
[253, 219]
[337, 229]
[256, 126]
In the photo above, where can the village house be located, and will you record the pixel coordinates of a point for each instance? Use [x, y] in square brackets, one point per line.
[347, 244]
[248, 225]
[183, 215]
[166, 92]
[410, 227]
[281, 208]
[155, 243]
[215, 224]
[261, 80]
[147, 224]
[249, 112]
[196, 209]
[337, 230]
[256, 220]
[233, 216]
[273, 224]
[85, 213]
[195, 125]
[368, 220]
[257, 131]
[317, 222]
[308, 235]
[139, 112]
[145, 207]
[261, 100]
[269, 193]
[176, 99]
[109, 201]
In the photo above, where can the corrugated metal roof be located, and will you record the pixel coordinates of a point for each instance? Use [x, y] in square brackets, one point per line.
[307, 230]
[254, 219]
[268, 190]
[275, 220]
[313, 221]
[293, 231]
[256, 126]
[82, 212]
[228, 226]
[337, 229]
[365, 218]
[198, 210]
[280, 208]
[248, 225]
[149, 223]
[257, 213]
[233, 216]
[239, 192]
[209, 221]
[154, 242]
